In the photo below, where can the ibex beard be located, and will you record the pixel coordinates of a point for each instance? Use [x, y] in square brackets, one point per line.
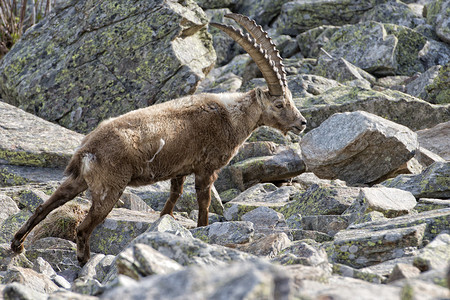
[196, 134]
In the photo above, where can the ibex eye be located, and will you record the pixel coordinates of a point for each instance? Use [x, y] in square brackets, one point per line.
[279, 105]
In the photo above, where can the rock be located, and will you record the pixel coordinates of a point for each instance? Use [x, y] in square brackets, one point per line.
[11, 224]
[224, 45]
[31, 199]
[132, 202]
[168, 224]
[132, 55]
[312, 41]
[439, 91]
[16, 290]
[421, 290]
[427, 204]
[434, 53]
[263, 12]
[225, 233]
[436, 221]
[426, 157]
[345, 142]
[212, 217]
[9, 207]
[435, 255]
[401, 271]
[120, 228]
[142, 260]
[259, 280]
[438, 15]
[328, 224]
[321, 200]
[347, 271]
[266, 195]
[432, 182]
[285, 163]
[26, 140]
[268, 246]
[156, 196]
[298, 16]
[344, 72]
[392, 105]
[187, 251]
[436, 140]
[365, 247]
[30, 278]
[418, 86]
[394, 13]
[307, 252]
[59, 253]
[265, 218]
[11, 175]
[391, 202]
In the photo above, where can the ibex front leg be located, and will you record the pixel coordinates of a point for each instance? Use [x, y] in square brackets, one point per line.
[176, 189]
[203, 184]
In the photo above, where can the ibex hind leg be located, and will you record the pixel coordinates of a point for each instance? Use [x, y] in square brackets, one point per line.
[68, 190]
[102, 204]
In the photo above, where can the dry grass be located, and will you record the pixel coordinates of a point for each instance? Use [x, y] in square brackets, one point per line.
[16, 18]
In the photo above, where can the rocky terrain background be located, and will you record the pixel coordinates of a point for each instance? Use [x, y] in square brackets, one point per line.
[356, 208]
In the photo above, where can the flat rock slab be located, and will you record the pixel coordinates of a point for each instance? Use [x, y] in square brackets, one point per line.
[357, 147]
[88, 61]
[436, 139]
[364, 247]
[27, 140]
[434, 181]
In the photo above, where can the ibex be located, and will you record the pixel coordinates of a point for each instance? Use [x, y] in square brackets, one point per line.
[196, 134]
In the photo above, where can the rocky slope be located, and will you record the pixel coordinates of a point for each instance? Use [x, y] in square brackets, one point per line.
[356, 208]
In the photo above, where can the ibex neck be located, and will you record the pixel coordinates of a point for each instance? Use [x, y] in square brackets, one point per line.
[245, 112]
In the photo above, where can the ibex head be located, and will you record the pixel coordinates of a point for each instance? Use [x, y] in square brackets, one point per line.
[279, 110]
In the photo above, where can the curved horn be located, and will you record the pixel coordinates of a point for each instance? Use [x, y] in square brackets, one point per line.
[259, 55]
[262, 38]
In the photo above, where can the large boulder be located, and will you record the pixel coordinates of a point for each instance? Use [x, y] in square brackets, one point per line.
[357, 147]
[89, 60]
[436, 139]
[393, 105]
[439, 90]
[438, 15]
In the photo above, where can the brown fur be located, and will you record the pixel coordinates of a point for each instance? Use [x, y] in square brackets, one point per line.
[195, 134]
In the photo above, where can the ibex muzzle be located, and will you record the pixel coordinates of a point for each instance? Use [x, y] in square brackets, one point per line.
[196, 134]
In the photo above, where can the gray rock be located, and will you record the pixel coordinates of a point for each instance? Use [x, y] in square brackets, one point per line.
[266, 195]
[345, 142]
[16, 290]
[427, 204]
[344, 72]
[432, 182]
[267, 246]
[9, 207]
[188, 251]
[11, 175]
[436, 139]
[30, 278]
[168, 224]
[298, 16]
[365, 247]
[438, 15]
[436, 222]
[31, 199]
[307, 252]
[347, 271]
[328, 224]
[394, 13]
[259, 280]
[439, 91]
[27, 140]
[417, 87]
[156, 196]
[435, 255]
[120, 228]
[132, 55]
[321, 200]
[225, 233]
[11, 224]
[401, 271]
[133, 202]
[392, 105]
[391, 202]
[263, 12]
[434, 53]
[264, 217]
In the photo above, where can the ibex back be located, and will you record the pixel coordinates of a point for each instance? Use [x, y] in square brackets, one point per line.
[196, 134]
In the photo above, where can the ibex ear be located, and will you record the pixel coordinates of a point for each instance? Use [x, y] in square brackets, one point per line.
[260, 94]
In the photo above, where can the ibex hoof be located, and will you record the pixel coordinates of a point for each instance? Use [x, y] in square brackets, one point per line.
[16, 246]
